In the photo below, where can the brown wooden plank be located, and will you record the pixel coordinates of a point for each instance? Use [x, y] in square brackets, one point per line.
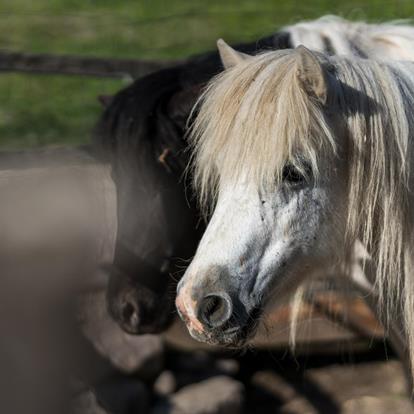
[79, 65]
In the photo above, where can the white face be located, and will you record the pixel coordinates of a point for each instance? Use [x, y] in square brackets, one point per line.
[257, 246]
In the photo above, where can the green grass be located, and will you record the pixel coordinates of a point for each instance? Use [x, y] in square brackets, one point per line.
[38, 110]
[45, 110]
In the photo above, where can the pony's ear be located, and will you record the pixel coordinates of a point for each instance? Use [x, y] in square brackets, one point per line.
[311, 74]
[229, 57]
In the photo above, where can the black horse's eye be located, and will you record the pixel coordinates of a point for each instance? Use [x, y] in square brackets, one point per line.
[292, 175]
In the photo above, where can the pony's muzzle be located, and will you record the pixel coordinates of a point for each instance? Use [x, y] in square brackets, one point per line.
[204, 312]
[126, 310]
[215, 310]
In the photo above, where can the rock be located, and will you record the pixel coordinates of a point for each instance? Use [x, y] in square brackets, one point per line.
[377, 405]
[357, 380]
[303, 406]
[228, 366]
[165, 384]
[218, 395]
[87, 403]
[142, 355]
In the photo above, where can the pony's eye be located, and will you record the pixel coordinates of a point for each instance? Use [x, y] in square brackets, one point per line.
[291, 175]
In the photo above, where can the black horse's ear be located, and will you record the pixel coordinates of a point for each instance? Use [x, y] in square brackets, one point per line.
[181, 103]
[105, 100]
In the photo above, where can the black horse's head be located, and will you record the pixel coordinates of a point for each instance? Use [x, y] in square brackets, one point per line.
[142, 134]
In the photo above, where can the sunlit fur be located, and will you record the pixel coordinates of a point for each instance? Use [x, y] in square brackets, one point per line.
[256, 117]
[334, 35]
[337, 36]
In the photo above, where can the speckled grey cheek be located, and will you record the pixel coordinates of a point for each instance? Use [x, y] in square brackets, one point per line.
[306, 208]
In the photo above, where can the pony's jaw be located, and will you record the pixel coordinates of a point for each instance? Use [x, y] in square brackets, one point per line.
[256, 246]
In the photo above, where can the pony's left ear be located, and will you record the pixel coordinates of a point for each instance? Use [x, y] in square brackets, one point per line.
[229, 57]
[311, 74]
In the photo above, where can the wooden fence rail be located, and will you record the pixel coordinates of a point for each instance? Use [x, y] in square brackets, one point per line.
[79, 65]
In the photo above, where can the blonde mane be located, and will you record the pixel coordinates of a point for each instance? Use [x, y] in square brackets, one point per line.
[255, 118]
[245, 128]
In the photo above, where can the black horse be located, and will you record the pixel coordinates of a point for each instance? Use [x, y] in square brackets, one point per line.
[142, 134]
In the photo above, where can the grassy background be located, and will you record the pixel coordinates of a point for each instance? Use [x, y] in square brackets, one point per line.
[37, 110]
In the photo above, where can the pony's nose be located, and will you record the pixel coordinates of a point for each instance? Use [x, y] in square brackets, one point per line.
[215, 310]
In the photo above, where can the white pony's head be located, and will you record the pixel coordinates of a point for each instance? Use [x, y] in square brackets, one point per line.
[258, 143]
[279, 143]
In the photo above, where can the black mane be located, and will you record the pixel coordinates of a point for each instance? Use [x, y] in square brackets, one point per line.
[153, 111]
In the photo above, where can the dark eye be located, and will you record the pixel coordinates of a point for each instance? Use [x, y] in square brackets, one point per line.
[292, 175]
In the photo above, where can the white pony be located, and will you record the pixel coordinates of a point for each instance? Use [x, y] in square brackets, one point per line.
[303, 155]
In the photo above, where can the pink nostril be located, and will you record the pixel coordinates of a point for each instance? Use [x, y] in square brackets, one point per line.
[187, 314]
[180, 305]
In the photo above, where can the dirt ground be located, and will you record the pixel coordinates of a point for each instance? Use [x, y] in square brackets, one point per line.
[365, 386]
[329, 377]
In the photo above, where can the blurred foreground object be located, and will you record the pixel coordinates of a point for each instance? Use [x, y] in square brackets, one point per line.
[57, 226]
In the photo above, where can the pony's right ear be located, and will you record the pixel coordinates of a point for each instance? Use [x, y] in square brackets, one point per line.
[311, 74]
[229, 57]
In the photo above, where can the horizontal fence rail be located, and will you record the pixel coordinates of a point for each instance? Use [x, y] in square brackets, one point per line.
[79, 65]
